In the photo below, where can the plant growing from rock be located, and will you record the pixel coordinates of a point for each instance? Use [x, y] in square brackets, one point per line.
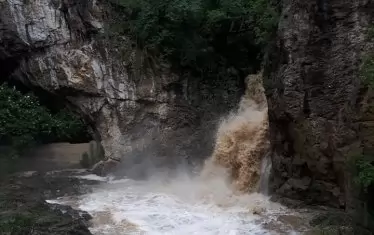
[364, 164]
[18, 224]
[367, 65]
[367, 70]
[365, 171]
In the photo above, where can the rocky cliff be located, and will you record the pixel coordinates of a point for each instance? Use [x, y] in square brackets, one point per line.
[320, 112]
[62, 47]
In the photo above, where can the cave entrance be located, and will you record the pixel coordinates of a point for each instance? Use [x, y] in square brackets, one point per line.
[69, 126]
[39, 131]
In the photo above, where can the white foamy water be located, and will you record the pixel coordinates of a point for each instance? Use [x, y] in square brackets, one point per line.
[180, 206]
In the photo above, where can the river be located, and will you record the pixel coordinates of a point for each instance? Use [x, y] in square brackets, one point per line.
[222, 199]
[181, 206]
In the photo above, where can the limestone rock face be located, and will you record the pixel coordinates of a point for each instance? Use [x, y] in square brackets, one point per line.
[318, 108]
[62, 47]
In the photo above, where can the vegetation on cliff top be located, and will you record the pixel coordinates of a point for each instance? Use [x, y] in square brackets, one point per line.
[207, 37]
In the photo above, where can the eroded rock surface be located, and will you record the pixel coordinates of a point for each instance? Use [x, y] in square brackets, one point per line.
[318, 108]
[62, 46]
[23, 209]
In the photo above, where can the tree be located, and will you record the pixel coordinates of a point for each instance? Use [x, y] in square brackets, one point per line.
[203, 36]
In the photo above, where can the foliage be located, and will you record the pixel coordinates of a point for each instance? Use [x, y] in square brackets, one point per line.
[365, 171]
[205, 36]
[18, 224]
[370, 33]
[67, 126]
[24, 122]
[364, 164]
[367, 65]
[367, 70]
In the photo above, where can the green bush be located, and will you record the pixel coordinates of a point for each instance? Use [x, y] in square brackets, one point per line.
[24, 122]
[204, 36]
[364, 164]
[367, 70]
[364, 178]
[367, 65]
[18, 224]
[365, 171]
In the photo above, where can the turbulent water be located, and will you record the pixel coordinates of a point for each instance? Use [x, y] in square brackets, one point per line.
[242, 138]
[181, 206]
[222, 199]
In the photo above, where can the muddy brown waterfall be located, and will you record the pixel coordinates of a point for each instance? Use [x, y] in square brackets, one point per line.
[242, 138]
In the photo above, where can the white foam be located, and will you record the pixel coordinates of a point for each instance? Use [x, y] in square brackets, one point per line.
[54, 201]
[92, 177]
[176, 208]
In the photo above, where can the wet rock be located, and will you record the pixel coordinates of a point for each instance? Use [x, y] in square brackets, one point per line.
[23, 209]
[98, 168]
[258, 211]
[290, 203]
[335, 222]
[28, 174]
[104, 167]
[317, 101]
[74, 213]
[294, 185]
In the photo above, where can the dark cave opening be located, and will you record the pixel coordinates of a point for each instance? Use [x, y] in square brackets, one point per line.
[52, 102]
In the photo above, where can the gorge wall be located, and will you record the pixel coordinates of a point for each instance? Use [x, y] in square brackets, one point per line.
[320, 112]
[62, 47]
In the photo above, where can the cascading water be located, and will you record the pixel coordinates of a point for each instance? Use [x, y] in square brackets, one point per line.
[220, 200]
[242, 138]
[265, 175]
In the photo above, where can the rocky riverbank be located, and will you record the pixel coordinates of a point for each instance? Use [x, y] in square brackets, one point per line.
[24, 210]
[26, 207]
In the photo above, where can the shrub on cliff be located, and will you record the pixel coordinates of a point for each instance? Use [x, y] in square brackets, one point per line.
[367, 65]
[364, 177]
[364, 164]
[24, 122]
[367, 70]
[204, 36]
[365, 171]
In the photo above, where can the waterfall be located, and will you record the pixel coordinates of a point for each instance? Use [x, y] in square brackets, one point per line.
[242, 140]
[265, 174]
[222, 199]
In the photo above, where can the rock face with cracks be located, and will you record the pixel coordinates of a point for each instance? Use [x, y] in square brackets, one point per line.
[319, 109]
[62, 47]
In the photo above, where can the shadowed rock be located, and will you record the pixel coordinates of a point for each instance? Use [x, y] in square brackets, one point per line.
[319, 110]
